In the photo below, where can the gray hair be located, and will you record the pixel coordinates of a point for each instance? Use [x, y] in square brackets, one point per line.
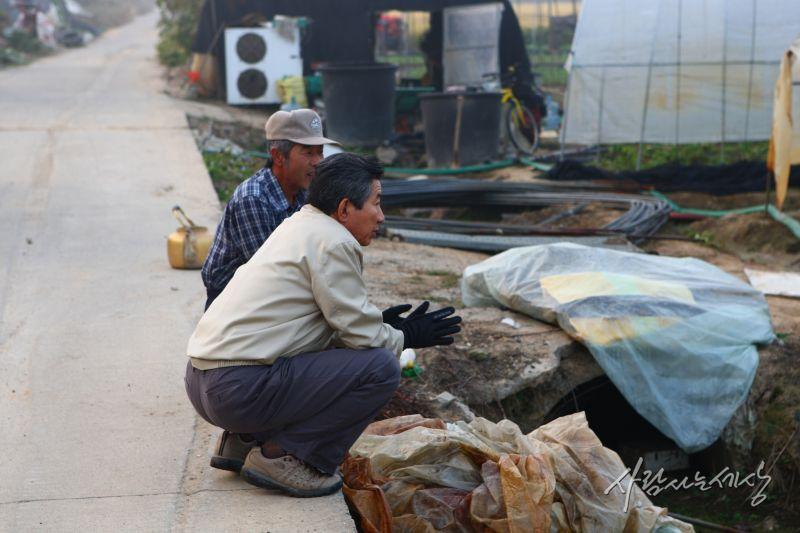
[343, 176]
[283, 146]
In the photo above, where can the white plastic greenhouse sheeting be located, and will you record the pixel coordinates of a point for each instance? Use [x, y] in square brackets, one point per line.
[667, 71]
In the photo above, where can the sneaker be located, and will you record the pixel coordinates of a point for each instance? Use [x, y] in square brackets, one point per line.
[230, 451]
[289, 474]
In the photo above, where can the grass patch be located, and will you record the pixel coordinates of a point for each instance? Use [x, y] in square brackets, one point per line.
[448, 281]
[622, 157]
[478, 355]
[439, 300]
[416, 279]
[227, 171]
[705, 237]
[549, 67]
[20, 48]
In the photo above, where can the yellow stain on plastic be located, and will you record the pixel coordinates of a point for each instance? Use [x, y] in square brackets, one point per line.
[605, 331]
[565, 288]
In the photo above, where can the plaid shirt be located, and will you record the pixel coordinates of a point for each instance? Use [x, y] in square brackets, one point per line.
[256, 208]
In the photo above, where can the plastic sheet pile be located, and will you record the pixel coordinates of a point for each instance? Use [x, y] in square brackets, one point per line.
[677, 337]
[416, 475]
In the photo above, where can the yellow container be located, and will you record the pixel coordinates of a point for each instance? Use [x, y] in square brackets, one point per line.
[188, 246]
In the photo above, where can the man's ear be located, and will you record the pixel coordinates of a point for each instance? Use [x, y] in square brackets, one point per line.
[343, 210]
[277, 157]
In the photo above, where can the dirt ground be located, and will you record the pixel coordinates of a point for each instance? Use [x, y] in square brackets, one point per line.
[754, 237]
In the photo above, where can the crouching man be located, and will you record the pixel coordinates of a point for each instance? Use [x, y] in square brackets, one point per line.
[292, 360]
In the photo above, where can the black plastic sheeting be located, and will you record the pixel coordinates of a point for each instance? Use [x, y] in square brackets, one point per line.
[720, 180]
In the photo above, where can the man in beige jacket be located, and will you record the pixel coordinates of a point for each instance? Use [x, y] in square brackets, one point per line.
[291, 359]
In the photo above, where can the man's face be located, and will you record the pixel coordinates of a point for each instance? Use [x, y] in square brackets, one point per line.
[364, 223]
[300, 164]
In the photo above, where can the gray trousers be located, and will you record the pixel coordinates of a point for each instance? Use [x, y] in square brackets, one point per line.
[313, 405]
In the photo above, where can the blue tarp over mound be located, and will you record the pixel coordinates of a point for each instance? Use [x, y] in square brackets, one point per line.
[676, 336]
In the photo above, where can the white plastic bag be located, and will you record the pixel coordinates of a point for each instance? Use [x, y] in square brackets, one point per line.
[676, 336]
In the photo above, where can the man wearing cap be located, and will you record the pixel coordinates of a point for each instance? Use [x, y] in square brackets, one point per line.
[264, 200]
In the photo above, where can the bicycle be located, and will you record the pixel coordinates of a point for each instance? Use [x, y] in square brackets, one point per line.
[521, 125]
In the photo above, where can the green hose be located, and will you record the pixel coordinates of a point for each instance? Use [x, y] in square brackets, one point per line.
[544, 167]
[786, 220]
[474, 168]
[711, 213]
[451, 171]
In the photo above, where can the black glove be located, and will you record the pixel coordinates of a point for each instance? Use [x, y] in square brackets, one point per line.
[392, 316]
[430, 329]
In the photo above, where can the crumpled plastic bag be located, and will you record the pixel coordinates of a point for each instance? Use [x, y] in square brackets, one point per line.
[677, 337]
[416, 475]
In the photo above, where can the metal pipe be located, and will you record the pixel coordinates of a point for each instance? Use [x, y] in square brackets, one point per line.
[750, 76]
[703, 523]
[563, 134]
[600, 112]
[647, 94]
[457, 131]
[685, 63]
[678, 84]
[724, 83]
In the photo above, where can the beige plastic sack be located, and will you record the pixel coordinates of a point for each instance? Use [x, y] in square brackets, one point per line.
[484, 476]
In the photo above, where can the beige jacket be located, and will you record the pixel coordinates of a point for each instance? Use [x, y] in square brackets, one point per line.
[301, 292]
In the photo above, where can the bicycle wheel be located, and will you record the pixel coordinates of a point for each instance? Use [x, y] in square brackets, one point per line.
[522, 129]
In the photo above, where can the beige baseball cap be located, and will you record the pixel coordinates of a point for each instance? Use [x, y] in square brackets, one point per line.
[302, 126]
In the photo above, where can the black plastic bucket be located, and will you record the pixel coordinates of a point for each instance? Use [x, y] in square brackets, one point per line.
[359, 102]
[476, 141]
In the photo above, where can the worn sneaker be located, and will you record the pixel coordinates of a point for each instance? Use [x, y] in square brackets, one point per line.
[230, 451]
[288, 474]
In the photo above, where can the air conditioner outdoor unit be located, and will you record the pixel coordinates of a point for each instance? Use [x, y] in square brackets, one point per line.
[255, 58]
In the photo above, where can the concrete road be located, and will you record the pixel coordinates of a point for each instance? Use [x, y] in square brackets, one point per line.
[96, 433]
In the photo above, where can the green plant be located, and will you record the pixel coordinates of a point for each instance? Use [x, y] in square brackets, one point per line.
[9, 56]
[623, 156]
[478, 355]
[706, 237]
[26, 43]
[176, 29]
[227, 171]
